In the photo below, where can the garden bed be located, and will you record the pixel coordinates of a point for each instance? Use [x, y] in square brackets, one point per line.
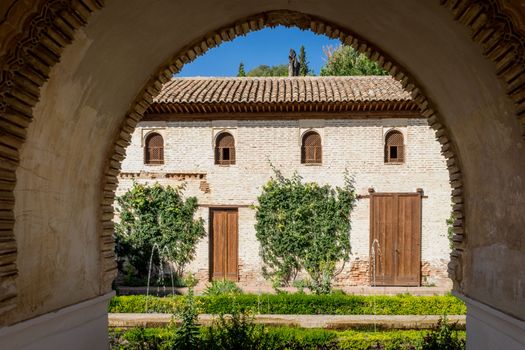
[302, 304]
[276, 338]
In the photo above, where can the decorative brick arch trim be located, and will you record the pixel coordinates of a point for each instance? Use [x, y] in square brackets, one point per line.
[36, 34]
[48, 30]
[498, 26]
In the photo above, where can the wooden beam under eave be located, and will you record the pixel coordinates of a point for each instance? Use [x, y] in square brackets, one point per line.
[410, 114]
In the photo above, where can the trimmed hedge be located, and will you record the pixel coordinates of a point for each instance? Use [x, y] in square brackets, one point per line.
[283, 338]
[302, 304]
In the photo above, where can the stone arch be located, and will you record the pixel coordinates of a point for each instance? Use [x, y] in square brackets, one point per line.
[20, 86]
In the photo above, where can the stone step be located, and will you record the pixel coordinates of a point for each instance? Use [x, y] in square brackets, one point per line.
[339, 322]
[355, 290]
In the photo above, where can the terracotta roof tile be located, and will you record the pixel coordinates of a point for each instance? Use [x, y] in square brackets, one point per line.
[282, 90]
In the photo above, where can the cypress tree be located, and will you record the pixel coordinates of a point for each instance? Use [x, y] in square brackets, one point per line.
[303, 63]
[241, 72]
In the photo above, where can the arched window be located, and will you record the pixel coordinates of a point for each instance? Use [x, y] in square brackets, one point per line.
[394, 147]
[311, 149]
[154, 150]
[225, 149]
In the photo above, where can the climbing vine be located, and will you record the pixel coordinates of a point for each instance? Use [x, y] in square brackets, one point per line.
[304, 226]
[157, 215]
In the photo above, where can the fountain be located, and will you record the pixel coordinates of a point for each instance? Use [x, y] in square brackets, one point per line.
[161, 267]
[375, 251]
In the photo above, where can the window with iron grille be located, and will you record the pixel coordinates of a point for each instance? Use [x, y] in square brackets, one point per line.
[311, 149]
[225, 149]
[154, 149]
[394, 147]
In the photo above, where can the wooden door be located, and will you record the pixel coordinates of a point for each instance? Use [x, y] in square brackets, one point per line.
[395, 239]
[224, 244]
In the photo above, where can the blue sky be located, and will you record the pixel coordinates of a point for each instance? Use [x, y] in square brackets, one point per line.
[268, 46]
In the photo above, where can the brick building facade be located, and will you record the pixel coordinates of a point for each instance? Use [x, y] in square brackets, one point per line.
[352, 116]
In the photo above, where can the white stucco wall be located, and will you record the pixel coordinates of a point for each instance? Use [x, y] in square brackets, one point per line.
[356, 145]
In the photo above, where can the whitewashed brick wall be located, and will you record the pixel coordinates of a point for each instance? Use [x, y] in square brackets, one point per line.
[356, 145]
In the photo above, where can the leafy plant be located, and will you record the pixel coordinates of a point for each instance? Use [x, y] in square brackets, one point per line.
[187, 334]
[156, 215]
[300, 284]
[139, 339]
[222, 287]
[237, 331]
[304, 226]
[443, 337]
[345, 60]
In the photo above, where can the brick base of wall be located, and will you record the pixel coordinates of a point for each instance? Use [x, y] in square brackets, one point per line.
[435, 274]
[355, 273]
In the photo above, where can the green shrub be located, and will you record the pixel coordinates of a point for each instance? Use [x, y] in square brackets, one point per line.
[384, 340]
[132, 280]
[158, 216]
[140, 339]
[222, 287]
[303, 304]
[137, 303]
[303, 339]
[242, 334]
[444, 336]
[237, 332]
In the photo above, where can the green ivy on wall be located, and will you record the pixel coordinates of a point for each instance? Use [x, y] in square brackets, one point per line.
[304, 226]
[150, 215]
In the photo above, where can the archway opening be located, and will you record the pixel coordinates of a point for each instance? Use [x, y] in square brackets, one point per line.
[186, 100]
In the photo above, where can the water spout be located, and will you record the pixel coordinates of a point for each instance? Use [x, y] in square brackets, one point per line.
[375, 253]
[164, 249]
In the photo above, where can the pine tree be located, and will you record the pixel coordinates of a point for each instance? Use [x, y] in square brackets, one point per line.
[303, 63]
[241, 72]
